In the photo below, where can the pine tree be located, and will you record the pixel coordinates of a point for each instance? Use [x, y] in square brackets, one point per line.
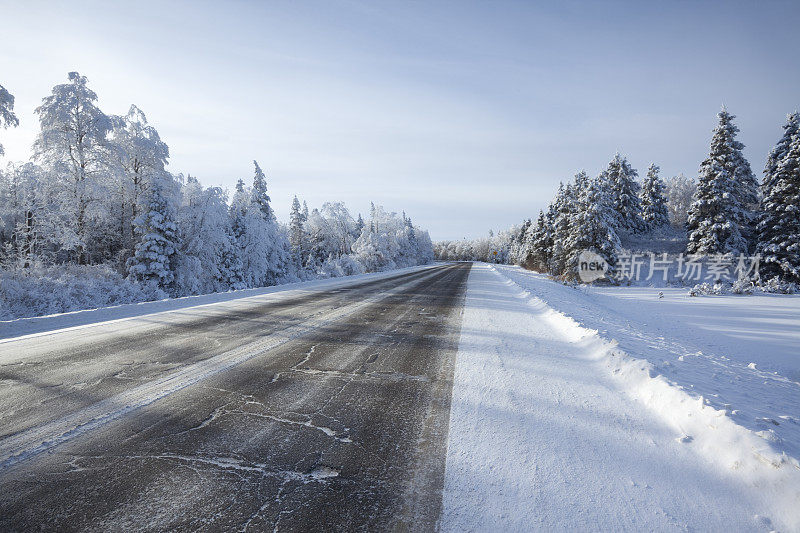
[592, 226]
[563, 207]
[296, 227]
[622, 192]
[720, 216]
[539, 242]
[779, 229]
[654, 203]
[154, 259]
[777, 154]
[767, 234]
[259, 195]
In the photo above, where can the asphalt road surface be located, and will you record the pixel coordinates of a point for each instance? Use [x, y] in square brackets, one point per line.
[326, 410]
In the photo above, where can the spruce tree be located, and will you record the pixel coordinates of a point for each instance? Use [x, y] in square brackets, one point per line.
[563, 206]
[777, 154]
[540, 243]
[720, 217]
[592, 226]
[296, 226]
[622, 192]
[654, 202]
[154, 258]
[779, 228]
[766, 229]
[259, 195]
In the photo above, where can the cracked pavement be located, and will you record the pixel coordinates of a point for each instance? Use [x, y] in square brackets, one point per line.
[342, 428]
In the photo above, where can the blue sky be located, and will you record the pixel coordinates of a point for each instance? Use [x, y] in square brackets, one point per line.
[465, 114]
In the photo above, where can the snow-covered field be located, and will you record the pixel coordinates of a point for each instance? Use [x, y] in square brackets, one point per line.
[642, 413]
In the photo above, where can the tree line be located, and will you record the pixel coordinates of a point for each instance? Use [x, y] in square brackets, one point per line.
[96, 192]
[726, 212]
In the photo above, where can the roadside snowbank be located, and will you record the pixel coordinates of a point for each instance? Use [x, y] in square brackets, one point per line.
[541, 436]
[34, 325]
[739, 418]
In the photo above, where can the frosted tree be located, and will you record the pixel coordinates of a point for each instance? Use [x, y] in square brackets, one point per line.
[155, 257]
[777, 154]
[539, 242]
[654, 203]
[726, 186]
[259, 194]
[72, 142]
[296, 231]
[519, 245]
[779, 227]
[209, 260]
[141, 156]
[770, 227]
[622, 191]
[564, 207]
[25, 221]
[265, 248]
[238, 209]
[680, 196]
[592, 227]
[7, 116]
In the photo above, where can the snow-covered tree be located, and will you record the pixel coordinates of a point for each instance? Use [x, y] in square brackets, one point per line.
[726, 187]
[265, 248]
[209, 259]
[653, 200]
[7, 116]
[25, 220]
[622, 190]
[156, 254]
[539, 242]
[592, 225]
[520, 247]
[779, 227]
[777, 154]
[141, 156]
[296, 231]
[564, 208]
[259, 194]
[770, 230]
[680, 196]
[72, 143]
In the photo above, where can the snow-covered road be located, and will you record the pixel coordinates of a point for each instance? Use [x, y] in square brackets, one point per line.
[543, 436]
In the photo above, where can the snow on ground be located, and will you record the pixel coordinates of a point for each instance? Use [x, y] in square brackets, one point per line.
[88, 317]
[554, 427]
[740, 354]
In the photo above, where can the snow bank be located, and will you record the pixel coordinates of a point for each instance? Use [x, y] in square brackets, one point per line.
[541, 438]
[698, 401]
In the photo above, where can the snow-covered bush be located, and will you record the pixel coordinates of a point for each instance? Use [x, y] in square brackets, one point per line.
[701, 289]
[58, 289]
[776, 286]
[742, 286]
[336, 267]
